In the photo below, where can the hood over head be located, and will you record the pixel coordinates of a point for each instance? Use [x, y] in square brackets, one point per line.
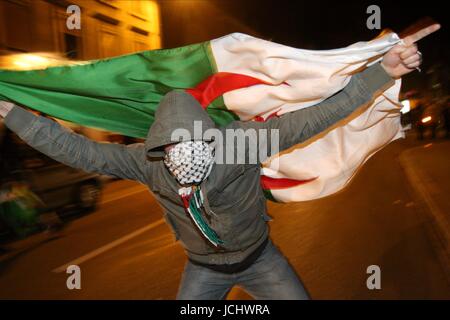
[177, 110]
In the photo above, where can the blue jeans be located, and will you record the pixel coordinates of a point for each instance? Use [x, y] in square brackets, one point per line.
[269, 277]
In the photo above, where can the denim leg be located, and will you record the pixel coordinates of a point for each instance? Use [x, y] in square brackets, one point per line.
[272, 278]
[200, 283]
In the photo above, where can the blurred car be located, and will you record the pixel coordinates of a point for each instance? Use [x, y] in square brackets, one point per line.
[62, 189]
[58, 185]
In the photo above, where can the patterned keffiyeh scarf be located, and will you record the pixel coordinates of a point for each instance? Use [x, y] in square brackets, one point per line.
[190, 163]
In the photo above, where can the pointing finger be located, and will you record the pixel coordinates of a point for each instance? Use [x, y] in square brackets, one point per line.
[409, 40]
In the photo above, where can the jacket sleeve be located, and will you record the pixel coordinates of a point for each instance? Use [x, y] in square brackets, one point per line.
[77, 151]
[298, 126]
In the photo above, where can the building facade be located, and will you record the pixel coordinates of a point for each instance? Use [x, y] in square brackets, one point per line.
[107, 27]
[92, 29]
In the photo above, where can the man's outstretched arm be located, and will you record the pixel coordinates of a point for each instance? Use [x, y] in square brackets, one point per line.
[298, 126]
[74, 150]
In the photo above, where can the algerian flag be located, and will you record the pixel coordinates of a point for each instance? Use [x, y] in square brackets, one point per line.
[234, 77]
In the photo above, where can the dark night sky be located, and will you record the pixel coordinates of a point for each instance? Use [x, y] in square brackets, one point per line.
[304, 24]
[328, 24]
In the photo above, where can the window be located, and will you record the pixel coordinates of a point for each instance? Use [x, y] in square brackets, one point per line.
[71, 45]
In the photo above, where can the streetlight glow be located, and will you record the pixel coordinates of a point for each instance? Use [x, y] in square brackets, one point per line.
[426, 119]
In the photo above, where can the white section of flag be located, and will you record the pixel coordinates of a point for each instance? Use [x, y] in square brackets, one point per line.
[312, 76]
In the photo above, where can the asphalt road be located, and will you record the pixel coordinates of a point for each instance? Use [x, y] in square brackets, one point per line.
[126, 252]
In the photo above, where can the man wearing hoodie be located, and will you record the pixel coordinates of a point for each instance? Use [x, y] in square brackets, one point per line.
[217, 210]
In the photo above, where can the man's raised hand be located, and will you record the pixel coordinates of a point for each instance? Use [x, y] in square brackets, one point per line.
[404, 58]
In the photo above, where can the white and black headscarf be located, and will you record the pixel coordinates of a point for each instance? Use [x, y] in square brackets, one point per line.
[190, 162]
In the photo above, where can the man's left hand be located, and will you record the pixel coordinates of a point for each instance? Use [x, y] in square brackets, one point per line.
[404, 58]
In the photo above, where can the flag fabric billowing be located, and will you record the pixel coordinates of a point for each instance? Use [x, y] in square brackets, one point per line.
[235, 77]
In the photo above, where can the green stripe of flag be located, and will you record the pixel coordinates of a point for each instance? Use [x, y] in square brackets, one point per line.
[118, 94]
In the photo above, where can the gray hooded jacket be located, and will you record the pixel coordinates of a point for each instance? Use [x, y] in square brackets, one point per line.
[232, 192]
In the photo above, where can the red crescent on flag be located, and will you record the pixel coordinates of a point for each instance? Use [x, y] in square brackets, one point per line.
[219, 83]
[269, 183]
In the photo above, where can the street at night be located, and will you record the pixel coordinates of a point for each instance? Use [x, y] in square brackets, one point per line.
[126, 251]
